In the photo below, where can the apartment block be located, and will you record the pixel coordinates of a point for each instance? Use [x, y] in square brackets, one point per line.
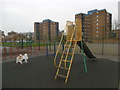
[36, 31]
[47, 30]
[12, 33]
[96, 24]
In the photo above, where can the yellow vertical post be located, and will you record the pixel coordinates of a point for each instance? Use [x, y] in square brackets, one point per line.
[70, 32]
[78, 33]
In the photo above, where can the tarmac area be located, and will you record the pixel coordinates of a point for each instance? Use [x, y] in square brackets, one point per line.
[39, 72]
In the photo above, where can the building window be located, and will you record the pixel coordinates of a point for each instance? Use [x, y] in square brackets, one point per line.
[96, 35]
[97, 20]
[96, 31]
[96, 27]
[97, 15]
[96, 23]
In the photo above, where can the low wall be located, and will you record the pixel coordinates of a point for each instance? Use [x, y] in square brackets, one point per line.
[110, 41]
[105, 49]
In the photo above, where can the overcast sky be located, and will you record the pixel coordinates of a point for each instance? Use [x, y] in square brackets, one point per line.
[20, 15]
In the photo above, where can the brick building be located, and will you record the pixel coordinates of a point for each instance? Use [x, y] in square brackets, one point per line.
[116, 33]
[36, 31]
[96, 24]
[47, 30]
[12, 33]
[2, 35]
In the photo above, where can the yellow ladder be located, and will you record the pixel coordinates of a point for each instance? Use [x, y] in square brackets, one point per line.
[65, 63]
[66, 59]
[70, 45]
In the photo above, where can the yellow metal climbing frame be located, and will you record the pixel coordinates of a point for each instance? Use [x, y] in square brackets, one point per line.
[74, 34]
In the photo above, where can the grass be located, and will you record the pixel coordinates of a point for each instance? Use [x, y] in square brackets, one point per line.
[25, 44]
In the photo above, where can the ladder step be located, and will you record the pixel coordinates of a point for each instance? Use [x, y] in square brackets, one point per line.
[61, 76]
[66, 60]
[68, 53]
[70, 47]
[64, 68]
[72, 40]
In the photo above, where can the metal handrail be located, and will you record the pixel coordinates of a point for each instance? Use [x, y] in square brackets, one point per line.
[70, 44]
[59, 48]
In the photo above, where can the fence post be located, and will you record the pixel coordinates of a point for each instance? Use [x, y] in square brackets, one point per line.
[54, 48]
[46, 49]
[10, 52]
[39, 44]
[5, 53]
[34, 50]
[30, 50]
[18, 51]
[31, 47]
[39, 47]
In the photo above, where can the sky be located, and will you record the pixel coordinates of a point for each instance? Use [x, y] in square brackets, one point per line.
[20, 15]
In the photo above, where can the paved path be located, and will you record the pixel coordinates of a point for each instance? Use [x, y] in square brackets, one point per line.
[40, 72]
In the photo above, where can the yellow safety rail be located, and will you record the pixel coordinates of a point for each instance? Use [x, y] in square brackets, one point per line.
[70, 63]
[70, 44]
[58, 48]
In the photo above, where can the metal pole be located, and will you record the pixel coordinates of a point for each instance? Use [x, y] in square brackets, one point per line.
[104, 37]
[85, 66]
[11, 43]
[54, 48]
[5, 51]
[46, 49]
[103, 41]
[62, 47]
[10, 52]
[22, 42]
[39, 44]
[31, 47]
[50, 45]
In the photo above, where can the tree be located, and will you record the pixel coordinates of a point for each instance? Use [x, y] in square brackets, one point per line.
[115, 24]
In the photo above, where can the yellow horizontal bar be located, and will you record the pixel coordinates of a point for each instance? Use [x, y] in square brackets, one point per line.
[61, 76]
[70, 47]
[65, 60]
[68, 53]
[62, 68]
[72, 40]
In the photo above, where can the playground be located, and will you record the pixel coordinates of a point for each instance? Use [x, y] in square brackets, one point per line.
[60, 67]
[40, 73]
